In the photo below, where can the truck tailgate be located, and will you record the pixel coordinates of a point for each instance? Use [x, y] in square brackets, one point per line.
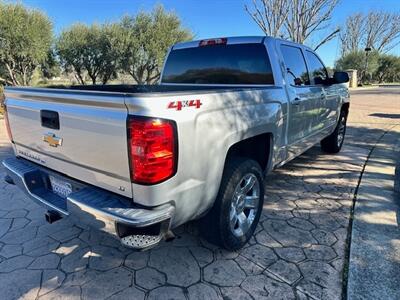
[78, 133]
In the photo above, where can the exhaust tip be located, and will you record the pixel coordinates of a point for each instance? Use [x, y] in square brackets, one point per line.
[169, 236]
[52, 216]
[9, 180]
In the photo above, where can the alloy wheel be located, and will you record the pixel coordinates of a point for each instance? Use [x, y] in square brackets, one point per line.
[244, 205]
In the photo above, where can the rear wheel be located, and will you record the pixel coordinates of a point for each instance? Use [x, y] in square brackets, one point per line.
[334, 142]
[237, 209]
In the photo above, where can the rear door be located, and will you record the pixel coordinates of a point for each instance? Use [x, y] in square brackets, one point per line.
[303, 99]
[77, 133]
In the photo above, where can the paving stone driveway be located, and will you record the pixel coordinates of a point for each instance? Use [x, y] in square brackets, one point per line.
[298, 250]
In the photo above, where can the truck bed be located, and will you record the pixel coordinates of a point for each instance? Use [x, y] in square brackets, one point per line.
[150, 89]
[92, 126]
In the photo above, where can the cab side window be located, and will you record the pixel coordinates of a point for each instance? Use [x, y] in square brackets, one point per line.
[317, 69]
[295, 65]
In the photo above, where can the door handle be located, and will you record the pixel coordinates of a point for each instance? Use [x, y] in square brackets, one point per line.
[50, 119]
[296, 101]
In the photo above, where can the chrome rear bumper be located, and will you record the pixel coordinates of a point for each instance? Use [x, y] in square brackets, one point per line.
[92, 206]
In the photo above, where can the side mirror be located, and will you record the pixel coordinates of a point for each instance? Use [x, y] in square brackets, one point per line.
[298, 81]
[341, 77]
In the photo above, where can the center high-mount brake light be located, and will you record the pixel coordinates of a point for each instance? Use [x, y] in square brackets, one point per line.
[153, 149]
[211, 42]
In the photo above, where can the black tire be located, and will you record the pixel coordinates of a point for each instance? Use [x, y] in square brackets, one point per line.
[334, 142]
[216, 225]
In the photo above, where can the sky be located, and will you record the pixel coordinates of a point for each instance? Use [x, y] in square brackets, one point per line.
[206, 18]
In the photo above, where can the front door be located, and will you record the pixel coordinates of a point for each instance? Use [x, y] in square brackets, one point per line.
[303, 100]
[330, 99]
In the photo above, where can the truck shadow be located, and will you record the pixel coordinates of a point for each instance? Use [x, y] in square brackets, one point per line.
[387, 116]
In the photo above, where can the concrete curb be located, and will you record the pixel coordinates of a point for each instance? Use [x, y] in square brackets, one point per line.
[397, 171]
[363, 88]
[375, 238]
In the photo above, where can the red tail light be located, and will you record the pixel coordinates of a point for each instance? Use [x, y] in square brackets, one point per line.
[153, 149]
[7, 123]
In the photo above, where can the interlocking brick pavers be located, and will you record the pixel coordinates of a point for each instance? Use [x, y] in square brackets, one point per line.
[298, 250]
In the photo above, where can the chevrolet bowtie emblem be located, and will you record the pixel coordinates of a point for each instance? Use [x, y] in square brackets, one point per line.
[52, 140]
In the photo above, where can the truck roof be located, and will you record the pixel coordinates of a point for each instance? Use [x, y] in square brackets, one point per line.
[230, 41]
[234, 40]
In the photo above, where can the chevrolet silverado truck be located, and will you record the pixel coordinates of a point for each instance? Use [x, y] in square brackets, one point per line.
[138, 161]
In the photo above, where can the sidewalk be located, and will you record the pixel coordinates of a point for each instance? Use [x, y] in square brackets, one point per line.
[374, 266]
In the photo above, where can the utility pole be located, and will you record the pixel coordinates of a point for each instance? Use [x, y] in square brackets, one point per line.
[367, 50]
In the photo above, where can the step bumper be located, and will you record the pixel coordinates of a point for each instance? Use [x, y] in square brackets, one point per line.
[88, 205]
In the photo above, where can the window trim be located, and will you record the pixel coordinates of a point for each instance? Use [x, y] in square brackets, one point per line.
[305, 63]
[268, 60]
[322, 63]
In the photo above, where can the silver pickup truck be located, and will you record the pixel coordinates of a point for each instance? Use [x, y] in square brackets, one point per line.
[138, 161]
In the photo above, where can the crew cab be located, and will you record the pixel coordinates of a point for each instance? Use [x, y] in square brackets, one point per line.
[138, 161]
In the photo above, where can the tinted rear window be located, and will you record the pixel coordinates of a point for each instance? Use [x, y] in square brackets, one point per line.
[219, 64]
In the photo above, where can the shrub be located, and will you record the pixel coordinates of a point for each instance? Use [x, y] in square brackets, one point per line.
[1, 100]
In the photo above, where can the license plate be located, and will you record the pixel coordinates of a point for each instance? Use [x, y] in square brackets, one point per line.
[59, 187]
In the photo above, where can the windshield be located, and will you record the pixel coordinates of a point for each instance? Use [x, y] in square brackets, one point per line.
[219, 64]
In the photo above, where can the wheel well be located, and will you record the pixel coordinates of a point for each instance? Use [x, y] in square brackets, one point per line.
[345, 107]
[257, 148]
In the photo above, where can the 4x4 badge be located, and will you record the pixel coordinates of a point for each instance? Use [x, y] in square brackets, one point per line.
[178, 105]
[52, 140]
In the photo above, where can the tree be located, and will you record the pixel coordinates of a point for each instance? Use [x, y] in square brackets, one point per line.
[296, 20]
[25, 39]
[51, 66]
[4, 76]
[377, 30]
[2, 98]
[388, 69]
[357, 60]
[353, 33]
[382, 30]
[88, 50]
[270, 15]
[144, 41]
